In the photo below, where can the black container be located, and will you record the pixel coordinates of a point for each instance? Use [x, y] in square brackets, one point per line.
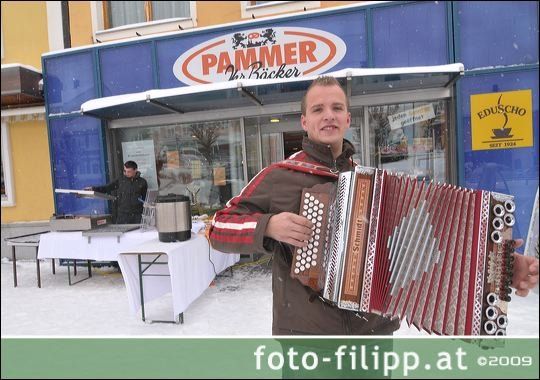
[173, 217]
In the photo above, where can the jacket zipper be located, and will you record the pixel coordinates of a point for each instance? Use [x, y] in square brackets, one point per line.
[334, 170]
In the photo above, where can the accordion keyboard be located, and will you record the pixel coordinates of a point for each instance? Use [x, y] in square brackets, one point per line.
[307, 260]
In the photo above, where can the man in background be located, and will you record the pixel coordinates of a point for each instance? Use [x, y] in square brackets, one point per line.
[130, 194]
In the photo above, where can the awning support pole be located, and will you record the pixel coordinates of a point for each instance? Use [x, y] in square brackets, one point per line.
[162, 106]
[250, 95]
[454, 78]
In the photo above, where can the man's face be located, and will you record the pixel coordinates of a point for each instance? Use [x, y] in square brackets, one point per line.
[129, 172]
[327, 118]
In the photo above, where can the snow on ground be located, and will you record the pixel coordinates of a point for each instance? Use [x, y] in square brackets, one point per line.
[237, 306]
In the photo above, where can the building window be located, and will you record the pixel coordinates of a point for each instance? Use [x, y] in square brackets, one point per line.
[254, 9]
[119, 13]
[8, 195]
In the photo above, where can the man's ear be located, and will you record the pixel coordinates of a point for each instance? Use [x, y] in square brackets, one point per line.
[348, 120]
[303, 123]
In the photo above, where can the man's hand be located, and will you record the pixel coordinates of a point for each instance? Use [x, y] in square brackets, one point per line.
[525, 272]
[289, 228]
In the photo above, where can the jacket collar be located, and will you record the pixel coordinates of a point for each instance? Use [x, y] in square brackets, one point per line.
[322, 153]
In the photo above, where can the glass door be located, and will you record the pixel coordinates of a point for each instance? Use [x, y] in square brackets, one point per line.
[272, 138]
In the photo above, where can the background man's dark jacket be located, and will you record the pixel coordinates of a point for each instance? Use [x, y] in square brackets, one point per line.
[130, 194]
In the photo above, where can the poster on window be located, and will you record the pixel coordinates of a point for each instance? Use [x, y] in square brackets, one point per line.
[142, 152]
[502, 120]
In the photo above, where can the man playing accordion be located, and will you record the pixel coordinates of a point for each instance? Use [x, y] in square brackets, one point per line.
[264, 218]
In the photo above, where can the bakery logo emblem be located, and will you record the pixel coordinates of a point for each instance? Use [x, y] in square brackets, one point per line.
[266, 37]
[270, 53]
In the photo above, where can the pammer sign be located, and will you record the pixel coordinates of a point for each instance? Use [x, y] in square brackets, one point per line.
[281, 52]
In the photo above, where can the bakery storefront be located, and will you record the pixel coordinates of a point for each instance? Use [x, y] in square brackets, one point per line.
[202, 111]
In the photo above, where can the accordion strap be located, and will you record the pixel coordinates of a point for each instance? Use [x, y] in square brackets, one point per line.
[307, 167]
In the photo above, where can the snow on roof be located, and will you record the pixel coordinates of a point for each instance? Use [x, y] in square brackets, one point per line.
[111, 101]
[28, 67]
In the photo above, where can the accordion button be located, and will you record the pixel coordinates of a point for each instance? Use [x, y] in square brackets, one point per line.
[320, 212]
[307, 195]
[311, 198]
[315, 250]
[308, 259]
[311, 204]
[319, 218]
[316, 243]
[298, 257]
[298, 264]
[313, 263]
[314, 257]
[302, 268]
[305, 207]
[308, 265]
[321, 205]
[303, 261]
[317, 230]
[296, 270]
[316, 201]
[304, 213]
[306, 200]
[318, 224]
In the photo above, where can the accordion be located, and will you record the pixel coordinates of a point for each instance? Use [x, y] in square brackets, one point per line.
[436, 255]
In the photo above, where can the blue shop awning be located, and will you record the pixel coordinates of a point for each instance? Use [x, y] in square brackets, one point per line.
[249, 92]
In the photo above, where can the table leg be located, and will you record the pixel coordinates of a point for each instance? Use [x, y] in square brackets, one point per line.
[38, 270]
[53, 269]
[141, 285]
[14, 259]
[89, 269]
[74, 274]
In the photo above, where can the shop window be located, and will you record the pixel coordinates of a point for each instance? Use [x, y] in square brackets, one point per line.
[119, 13]
[199, 160]
[496, 33]
[411, 138]
[410, 35]
[254, 9]
[8, 195]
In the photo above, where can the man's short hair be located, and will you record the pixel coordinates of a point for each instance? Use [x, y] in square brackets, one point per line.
[131, 165]
[325, 81]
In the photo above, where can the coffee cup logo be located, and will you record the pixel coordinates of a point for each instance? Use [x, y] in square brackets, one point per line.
[501, 120]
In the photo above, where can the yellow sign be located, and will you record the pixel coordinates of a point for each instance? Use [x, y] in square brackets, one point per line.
[220, 176]
[173, 159]
[501, 120]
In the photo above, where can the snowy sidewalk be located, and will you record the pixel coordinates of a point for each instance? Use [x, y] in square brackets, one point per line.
[237, 306]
